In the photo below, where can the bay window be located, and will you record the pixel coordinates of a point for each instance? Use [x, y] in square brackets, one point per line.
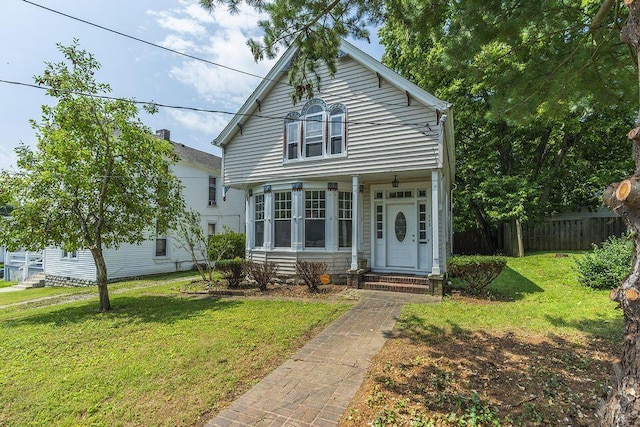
[282, 219]
[258, 225]
[345, 206]
[314, 214]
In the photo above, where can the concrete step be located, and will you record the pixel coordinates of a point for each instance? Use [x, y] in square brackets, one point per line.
[35, 281]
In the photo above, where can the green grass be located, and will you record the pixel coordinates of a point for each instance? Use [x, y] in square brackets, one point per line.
[538, 293]
[48, 292]
[157, 359]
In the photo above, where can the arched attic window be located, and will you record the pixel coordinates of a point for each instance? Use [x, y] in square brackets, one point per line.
[317, 131]
[292, 136]
[336, 139]
[313, 114]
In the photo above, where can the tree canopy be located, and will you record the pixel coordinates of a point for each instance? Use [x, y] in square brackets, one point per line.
[98, 177]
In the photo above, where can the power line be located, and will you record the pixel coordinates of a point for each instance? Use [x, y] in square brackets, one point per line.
[178, 52]
[151, 43]
[231, 113]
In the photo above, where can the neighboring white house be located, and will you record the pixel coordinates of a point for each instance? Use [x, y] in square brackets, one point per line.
[199, 173]
[362, 172]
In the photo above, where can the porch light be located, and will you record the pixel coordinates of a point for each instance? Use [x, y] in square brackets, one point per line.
[395, 182]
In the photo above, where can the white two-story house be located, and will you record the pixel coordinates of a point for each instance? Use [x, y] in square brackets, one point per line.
[199, 173]
[360, 174]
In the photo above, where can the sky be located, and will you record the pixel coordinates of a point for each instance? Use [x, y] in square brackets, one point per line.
[29, 35]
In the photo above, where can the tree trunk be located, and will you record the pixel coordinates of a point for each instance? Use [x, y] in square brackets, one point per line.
[101, 269]
[622, 407]
[488, 243]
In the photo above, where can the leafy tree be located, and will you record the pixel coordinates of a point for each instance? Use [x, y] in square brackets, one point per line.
[190, 237]
[98, 177]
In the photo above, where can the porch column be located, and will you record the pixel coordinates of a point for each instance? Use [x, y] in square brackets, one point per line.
[248, 220]
[355, 223]
[297, 216]
[25, 269]
[435, 221]
[268, 218]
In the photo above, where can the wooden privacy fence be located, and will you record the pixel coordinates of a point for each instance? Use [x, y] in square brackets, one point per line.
[571, 234]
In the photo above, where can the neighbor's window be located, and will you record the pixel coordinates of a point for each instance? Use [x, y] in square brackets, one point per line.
[212, 191]
[211, 229]
[344, 218]
[258, 233]
[314, 222]
[69, 254]
[161, 246]
[282, 219]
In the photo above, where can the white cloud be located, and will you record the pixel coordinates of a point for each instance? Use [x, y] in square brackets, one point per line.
[208, 123]
[178, 43]
[180, 25]
[223, 42]
[198, 13]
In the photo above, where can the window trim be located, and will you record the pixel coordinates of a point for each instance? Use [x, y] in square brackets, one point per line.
[287, 210]
[70, 255]
[256, 220]
[325, 116]
[166, 247]
[214, 202]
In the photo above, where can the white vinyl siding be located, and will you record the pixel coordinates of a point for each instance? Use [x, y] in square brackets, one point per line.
[403, 139]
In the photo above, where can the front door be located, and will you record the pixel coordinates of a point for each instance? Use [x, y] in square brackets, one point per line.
[401, 235]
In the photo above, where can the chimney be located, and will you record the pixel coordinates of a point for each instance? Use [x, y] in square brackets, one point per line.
[163, 134]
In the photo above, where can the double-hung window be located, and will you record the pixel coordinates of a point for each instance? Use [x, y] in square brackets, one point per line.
[212, 191]
[336, 130]
[314, 132]
[69, 254]
[345, 213]
[282, 219]
[258, 223]
[314, 218]
[161, 246]
[292, 136]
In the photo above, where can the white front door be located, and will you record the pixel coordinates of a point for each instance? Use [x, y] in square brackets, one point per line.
[401, 235]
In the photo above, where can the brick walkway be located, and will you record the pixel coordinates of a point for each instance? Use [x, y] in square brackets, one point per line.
[315, 386]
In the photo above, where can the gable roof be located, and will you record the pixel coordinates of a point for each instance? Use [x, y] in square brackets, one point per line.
[192, 155]
[272, 78]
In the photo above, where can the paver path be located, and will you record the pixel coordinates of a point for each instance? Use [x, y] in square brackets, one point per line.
[315, 385]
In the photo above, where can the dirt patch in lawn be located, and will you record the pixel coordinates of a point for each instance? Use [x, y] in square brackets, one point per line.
[273, 290]
[472, 378]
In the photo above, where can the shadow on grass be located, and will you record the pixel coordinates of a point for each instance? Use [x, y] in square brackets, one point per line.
[602, 327]
[134, 309]
[508, 286]
[535, 381]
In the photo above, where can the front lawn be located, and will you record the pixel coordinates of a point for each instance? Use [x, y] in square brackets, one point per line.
[538, 353]
[158, 358]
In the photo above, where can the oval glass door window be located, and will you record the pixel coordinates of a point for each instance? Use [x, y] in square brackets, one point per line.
[401, 226]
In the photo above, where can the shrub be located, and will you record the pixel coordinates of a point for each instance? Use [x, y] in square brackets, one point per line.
[310, 273]
[262, 273]
[226, 245]
[476, 271]
[606, 266]
[232, 270]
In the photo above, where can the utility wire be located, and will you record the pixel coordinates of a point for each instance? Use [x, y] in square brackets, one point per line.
[176, 51]
[151, 43]
[205, 110]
